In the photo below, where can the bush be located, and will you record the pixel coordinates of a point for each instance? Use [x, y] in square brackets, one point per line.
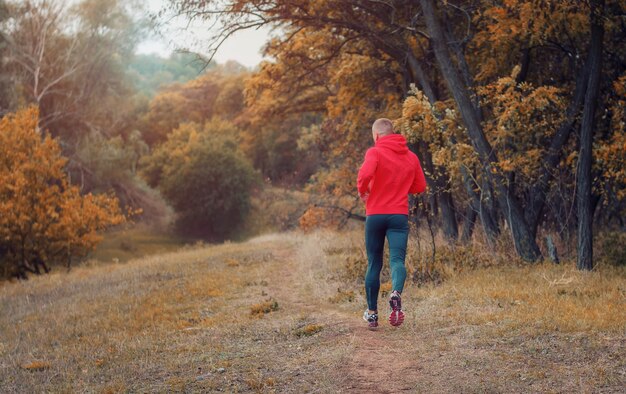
[610, 248]
[205, 178]
[43, 219]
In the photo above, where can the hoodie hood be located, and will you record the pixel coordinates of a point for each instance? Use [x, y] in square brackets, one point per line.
[393, 142]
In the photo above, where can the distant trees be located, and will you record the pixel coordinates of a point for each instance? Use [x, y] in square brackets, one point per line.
[150, 73]
[43, 219]
[68, 60]
[202, 173]
[71, 60]
[270, 143]
[197, 101]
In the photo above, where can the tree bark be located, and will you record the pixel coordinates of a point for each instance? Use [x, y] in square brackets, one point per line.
[584, 204]
[488, 212]
[439, 182]
[469, 222]
[482, 203]
[525, 243]
[540, 189]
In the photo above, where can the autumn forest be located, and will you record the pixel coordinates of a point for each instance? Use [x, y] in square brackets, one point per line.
[515, 108]
[182, 224]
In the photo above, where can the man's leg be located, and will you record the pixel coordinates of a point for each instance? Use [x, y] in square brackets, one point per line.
[397, 235]
[375, 229]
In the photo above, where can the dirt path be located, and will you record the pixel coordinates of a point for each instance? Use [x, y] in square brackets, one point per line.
[376, 362]
[434, 352]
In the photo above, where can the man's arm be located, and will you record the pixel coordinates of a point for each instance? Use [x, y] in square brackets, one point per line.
[367, 171]
[419, 181]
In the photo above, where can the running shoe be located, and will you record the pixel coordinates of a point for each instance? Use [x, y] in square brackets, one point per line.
[371, 319]
[397, 316]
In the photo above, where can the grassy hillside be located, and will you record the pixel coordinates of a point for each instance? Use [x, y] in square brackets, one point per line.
[281, 313]
[140, 241]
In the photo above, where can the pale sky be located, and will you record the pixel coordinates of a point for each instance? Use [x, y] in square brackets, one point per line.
[244, 46]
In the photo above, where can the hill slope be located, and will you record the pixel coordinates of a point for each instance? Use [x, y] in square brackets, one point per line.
[278, 314]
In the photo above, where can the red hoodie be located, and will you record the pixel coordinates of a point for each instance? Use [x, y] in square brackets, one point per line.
[389, 174]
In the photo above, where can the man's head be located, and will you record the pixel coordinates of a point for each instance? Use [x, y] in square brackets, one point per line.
[381, 128]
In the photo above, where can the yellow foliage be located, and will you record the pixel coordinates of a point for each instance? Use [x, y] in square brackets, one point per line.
[502, 26]
[524, 120]
[316, 217]
[43, 219]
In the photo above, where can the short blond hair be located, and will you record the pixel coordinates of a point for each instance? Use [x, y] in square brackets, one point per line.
[382, 126]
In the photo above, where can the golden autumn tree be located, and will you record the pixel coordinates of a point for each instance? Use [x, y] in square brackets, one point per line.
[216, 93]
[334, 85]
[43, 219]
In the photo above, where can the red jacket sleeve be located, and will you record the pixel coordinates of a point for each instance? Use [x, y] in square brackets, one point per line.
[367, 171]
[419, 181]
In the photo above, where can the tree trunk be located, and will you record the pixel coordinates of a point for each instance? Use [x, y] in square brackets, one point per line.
[539, 190]
[448, 215]
[441, 179]
[488, 213]
[525, 243]
[482, 203]
[439, 184]
[469, 222]
[583, 172]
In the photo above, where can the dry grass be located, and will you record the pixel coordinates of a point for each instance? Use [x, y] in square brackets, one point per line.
[275, 209]
[543, 298]
[497, 324]
[135, 242]
[264, 307]
[186, 322]
[173, 322]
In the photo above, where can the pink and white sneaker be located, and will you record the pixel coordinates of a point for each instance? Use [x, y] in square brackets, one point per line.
[395, 302]
[371, 319]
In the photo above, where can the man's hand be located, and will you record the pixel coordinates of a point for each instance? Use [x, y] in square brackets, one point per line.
[364, 196]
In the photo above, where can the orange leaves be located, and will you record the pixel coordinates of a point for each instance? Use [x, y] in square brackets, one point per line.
[419, 119]
[523, 119]
[610, 161]
[610, 155]
[439, 126]
[43, 217]
[216, 93]
[317, 217]
[505, 29]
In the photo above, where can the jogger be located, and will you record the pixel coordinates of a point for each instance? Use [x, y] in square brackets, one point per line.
[390, 172]
[396, 229]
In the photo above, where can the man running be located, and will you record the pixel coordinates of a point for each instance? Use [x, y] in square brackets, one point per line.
[388, 175]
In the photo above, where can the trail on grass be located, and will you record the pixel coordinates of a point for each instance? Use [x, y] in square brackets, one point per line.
[376, 362]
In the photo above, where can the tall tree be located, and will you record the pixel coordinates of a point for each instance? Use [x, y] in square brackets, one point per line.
[583, 174]
[524, 239]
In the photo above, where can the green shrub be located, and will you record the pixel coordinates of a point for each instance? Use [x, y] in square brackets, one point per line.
[205, 178]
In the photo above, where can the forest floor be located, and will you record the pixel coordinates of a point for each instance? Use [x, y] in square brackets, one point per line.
[280, 314]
